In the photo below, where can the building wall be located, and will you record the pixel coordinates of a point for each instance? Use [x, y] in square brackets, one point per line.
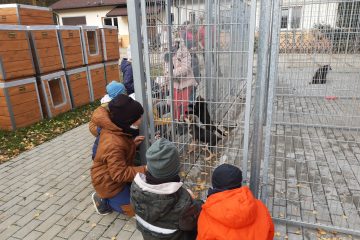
[94, 17]
[312, 13]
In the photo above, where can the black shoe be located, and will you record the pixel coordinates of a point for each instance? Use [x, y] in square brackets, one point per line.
[100, 205]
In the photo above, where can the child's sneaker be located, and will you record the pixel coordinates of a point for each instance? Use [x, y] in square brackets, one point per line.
[101, 206]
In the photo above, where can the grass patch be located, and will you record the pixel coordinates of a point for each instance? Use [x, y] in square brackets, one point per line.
[23, 139]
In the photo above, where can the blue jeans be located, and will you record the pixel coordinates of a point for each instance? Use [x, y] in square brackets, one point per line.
[121, 201]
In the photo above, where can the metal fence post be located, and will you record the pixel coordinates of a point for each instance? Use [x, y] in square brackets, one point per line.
[260, 96]
[133, 7]
[249, 79]
[274, 54]
[148, 72]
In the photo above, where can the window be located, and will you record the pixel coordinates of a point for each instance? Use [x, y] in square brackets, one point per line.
[56, 92]
[92, 42]
[284, 18]
[74, 20]
[192, 17]
[110, 21]
[295, 17]
[172, 18]
[291, 18]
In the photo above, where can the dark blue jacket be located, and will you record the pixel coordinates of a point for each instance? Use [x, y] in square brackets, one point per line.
[96, 143]
[126, 68]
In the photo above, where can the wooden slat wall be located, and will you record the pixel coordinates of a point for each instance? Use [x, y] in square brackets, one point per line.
[112, 44]
[15, 55]
[25, 106]
[26, 16]
[47, 51]
[79, 87]
[112, 72]
[72, 48]
[98, 82]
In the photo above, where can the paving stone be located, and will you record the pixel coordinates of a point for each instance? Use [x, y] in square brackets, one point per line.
[25, 230]
[69, 217]
[70, 228]
[114, 228]
[50, 221]
[51, 232]
[137, 236]
[9, 231]
[34, 235]
[124, 235]
[78, 235]
[96, 232]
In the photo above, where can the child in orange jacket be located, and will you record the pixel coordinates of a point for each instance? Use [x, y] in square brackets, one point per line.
[231, 212]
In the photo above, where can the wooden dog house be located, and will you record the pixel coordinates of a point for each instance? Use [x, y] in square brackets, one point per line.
[19, 14]
[71, 46]
[19, 104]
[97, 81]
[91, 39]
[55, 94]
[112, 71]
[79, 86]
[15, 53]
[110, 43]
[46, 49]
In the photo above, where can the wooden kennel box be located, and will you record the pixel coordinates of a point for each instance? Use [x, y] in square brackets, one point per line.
[110, 43]
[46, 49]
[15, 53]
[71, 46]
[19, 104]
[91, 39]
[112, 71]
[55, 94]
[79, 86]
[97, 81]
[19, 14]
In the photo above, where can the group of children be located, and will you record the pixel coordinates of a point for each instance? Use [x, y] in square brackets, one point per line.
[154, 193]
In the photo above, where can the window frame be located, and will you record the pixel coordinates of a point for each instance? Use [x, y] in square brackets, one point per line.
[289, 22]
[96, 42]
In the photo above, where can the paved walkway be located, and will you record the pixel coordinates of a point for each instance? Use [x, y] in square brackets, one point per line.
[45, 194]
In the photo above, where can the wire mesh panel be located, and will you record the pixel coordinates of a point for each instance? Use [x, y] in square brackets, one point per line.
[198, 65]
[314, 171]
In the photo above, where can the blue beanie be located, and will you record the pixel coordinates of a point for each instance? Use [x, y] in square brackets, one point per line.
[115, 88]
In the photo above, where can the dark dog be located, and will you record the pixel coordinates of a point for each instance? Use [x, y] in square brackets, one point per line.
[320, 75]
[200, 133]
[201, 110]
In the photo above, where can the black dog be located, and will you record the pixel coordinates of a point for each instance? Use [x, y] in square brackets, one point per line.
[200, 133]
[320, 75]
[201, 110]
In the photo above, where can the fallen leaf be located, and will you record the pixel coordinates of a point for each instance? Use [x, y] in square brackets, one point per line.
[93, 225]
[298, 232]
[321, 232]
[314, 212]
[286, 237]
[281, 215]
[277, 234]
[204, 173]
[344, 216]
[36, 215]
[113, 238]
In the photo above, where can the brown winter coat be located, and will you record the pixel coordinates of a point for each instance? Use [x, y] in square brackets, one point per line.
[92, 125]
[113, 165]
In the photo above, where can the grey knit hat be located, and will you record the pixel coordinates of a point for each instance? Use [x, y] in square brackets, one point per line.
[163, 159]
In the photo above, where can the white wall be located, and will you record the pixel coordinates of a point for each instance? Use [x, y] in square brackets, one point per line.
[94, 17]
[181, 14]
[312, 13]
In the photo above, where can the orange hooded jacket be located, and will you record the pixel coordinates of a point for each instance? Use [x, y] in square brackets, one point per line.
[234, 215]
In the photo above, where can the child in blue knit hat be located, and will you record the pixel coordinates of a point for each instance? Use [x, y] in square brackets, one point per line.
[113, 89]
